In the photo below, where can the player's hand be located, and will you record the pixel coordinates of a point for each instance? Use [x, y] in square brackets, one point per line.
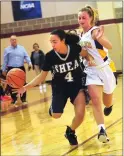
[99, 33]
[3, 81]
[19, 91]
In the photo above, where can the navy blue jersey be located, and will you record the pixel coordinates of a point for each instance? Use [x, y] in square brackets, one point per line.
[64, 68]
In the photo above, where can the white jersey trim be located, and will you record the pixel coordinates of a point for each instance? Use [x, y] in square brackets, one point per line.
[61, 58]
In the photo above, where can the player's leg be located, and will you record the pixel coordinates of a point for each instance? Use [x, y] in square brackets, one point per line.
[79, 108]
[78, 100]
[59, 100]
[96, 97]
[108, 89]
[95, 92]
[107, 100]
[95, 87]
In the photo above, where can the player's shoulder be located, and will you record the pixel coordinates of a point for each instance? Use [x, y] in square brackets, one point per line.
[49, 55]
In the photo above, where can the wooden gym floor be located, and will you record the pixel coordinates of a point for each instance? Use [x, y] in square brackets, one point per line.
[29, 130]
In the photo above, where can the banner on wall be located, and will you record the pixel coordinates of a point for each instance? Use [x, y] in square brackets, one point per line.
[23, 10]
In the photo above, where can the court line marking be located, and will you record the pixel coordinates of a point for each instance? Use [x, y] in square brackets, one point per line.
[90, 138]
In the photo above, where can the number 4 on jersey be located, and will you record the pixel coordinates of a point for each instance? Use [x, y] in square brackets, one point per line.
[69, 77]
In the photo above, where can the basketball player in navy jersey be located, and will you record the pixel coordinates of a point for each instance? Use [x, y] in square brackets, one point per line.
[63, 62]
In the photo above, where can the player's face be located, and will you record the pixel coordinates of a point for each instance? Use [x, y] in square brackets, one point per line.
[56, 42]
[13, 41]
[84, 19]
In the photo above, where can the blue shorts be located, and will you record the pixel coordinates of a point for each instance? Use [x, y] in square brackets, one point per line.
[61, 93]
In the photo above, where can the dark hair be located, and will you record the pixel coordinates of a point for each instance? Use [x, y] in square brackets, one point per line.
[36, 45]
[69, 37]
[92, 13]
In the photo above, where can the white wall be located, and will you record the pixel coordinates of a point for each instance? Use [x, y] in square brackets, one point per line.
[117, 4]
[120, 31]
[60, 7]
[49, 9]
[6, 12]
[107, 7]
[70, 7]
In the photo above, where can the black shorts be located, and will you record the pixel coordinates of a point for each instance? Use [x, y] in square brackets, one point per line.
[61, 93]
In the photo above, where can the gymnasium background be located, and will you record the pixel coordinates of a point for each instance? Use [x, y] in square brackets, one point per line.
[61, 14]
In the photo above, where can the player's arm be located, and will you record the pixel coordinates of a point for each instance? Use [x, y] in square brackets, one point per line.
[85, 55]
[98, 34]
[88, 57]
[37, 80]
[84, 52]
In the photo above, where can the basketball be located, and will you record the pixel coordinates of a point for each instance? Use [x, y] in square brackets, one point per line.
[16, 78]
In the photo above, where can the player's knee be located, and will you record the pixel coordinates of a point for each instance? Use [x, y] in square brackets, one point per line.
[95, 97]
[56, 115]
[96, 100]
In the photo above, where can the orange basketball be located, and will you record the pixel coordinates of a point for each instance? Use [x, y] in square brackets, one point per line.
[16, 78]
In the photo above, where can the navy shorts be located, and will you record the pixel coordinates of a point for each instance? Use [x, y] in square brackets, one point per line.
[61, 93]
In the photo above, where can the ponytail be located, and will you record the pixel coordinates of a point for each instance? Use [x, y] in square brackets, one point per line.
[71, 38]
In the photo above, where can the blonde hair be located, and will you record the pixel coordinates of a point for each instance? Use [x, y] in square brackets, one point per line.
[92, 13]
